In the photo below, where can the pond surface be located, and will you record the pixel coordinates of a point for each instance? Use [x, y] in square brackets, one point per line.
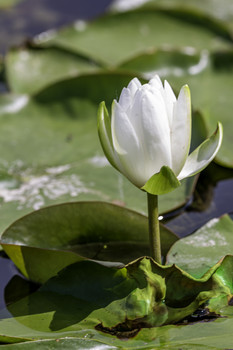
[219, 203]
[32, 17]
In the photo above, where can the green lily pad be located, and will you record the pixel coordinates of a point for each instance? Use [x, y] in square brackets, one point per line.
[152, 30]
[207, 10]
[201, 250]
[115, 38]
[95, 303]
[29, 70]
[45, 241]
[164, 61]
[69, 343]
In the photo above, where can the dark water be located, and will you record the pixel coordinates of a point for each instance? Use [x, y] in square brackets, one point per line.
[7, 271]
[220, 203]
[34, 16]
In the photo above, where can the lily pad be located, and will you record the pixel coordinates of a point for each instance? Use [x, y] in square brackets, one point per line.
[207, 10]
[67, 343]
[201, 250]
[164, 61]
[45, 241]
[94, 303]
[115, 38]
[29, 70]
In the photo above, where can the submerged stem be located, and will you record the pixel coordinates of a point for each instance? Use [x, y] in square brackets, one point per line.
[154, 231]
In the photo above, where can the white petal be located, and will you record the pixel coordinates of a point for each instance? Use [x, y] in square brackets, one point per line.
[156, 82]
[135, 112]
[125, 99]
[170, 100]
[128, 93]
[155, 132]
[126, 144]
[133, 86]
[202, 155]
[181, 130]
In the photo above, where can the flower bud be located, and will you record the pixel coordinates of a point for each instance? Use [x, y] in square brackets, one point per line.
[149, 136]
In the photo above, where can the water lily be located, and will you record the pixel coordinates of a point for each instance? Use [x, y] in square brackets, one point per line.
[148, 140]
[149, 136]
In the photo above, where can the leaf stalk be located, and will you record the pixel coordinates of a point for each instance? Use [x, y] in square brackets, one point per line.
[154, 230]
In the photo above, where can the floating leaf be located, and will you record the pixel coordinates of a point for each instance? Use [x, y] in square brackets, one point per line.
[131, 33]
[49, 65]
[45, 241]
[29, 70]
[209, 11]
[164, 61]
[201, 250]
[67, 343]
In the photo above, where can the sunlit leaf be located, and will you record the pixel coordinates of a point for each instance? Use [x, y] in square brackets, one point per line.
[29, 70]
[165, 61]
[201, 250]
[209, 11]
[45, 241]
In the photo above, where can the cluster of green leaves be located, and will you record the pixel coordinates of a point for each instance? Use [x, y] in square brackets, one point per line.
[142, 294]
[50, 154]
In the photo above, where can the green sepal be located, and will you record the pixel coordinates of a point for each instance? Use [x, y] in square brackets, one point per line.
[163, 182]
[105, 136]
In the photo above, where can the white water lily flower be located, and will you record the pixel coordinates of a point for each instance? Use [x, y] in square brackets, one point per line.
[149, 136]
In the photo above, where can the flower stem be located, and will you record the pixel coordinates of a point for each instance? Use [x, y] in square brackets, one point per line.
[154, 231]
